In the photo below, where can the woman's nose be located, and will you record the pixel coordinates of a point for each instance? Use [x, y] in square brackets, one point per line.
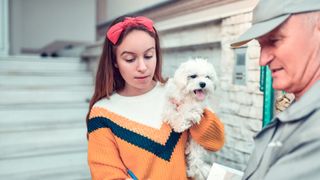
[141, 65]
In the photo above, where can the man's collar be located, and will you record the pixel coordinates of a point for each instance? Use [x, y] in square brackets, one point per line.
[306, 105]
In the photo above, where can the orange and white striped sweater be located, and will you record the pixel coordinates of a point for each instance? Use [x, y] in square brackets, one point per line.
[119, 142]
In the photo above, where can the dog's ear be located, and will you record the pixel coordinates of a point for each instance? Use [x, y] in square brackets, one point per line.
[180, 77]
[215, 80]
[213, 75]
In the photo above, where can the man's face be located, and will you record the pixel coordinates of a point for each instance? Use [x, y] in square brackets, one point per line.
[292, 53]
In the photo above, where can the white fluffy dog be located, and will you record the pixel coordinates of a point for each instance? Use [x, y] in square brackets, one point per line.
[191, 86]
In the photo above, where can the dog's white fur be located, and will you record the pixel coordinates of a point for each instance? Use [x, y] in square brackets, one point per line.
[184, 108]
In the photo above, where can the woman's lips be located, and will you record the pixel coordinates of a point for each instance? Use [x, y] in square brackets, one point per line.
[142, 77]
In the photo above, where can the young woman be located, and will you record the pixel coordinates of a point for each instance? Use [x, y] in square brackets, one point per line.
[126, 136]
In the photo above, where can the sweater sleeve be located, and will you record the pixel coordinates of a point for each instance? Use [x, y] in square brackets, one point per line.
[103, 155]
[209, 133]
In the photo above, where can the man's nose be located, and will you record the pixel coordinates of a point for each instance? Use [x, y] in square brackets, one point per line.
[266, 56]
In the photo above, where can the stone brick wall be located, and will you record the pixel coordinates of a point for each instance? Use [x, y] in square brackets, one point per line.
[240, 106]
[181, 44]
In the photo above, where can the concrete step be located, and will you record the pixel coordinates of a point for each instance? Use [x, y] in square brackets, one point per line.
[75, 172]
[43, 106]
[79, 94]
[33, 117]
[38, 58]
[45, 73]
[25, 144]
[72, 165]
[17, 65]
[29, 81]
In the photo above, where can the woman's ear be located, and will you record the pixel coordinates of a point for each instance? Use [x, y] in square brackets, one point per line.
[116, 65]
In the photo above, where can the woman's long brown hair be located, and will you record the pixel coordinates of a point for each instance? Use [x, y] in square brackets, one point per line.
[108, 77]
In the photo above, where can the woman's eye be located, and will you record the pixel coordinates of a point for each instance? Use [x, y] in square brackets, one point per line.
[148, 57]
[129, 60]
[193, 76]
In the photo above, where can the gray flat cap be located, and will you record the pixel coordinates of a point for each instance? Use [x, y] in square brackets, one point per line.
[269, 14]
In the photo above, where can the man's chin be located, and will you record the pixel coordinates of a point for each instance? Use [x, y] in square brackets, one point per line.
[280, 86]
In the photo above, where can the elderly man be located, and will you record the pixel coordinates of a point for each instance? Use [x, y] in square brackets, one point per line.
[288, 32]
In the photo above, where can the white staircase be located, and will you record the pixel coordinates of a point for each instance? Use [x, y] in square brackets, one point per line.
[43, 104]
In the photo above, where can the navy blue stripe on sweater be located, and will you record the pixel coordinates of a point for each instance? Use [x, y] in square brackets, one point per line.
[162, 151]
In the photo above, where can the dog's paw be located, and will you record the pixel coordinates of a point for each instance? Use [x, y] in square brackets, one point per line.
[196, 117]
[180, 126]
[176, 120]
[200, 173]
[194, 114]
[197, 160]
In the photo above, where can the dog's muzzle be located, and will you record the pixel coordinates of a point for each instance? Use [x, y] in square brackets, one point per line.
[200, 93]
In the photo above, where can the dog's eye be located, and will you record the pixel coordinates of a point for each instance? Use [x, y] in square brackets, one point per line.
[193, 76]
[208, 77]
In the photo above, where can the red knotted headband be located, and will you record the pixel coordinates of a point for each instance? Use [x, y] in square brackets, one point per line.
[115, 31]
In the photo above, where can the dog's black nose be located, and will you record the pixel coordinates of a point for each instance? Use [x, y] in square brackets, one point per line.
[202, 84]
